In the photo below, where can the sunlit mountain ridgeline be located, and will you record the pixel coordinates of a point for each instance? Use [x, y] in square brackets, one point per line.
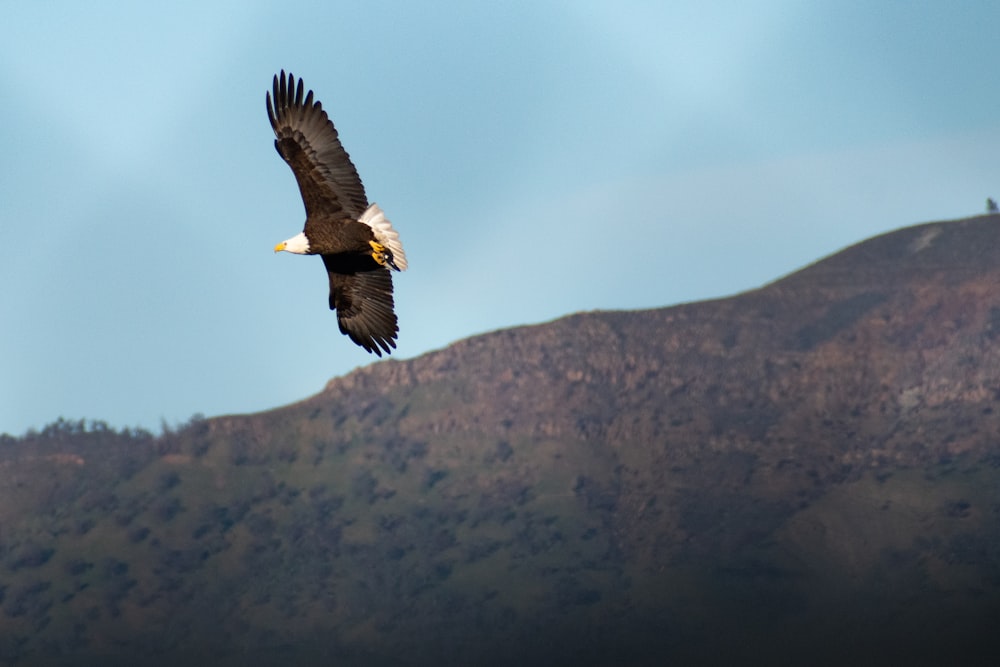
[805, 472]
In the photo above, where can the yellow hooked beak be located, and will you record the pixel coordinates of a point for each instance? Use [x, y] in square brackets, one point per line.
[280, 247]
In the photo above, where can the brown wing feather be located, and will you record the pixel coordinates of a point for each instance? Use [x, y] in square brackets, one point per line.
[364, 305]
[308, 142]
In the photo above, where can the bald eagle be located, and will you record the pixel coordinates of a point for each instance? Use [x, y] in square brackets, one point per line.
[358, 245]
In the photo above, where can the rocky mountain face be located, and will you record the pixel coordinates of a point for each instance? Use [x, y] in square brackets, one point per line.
[807, 472]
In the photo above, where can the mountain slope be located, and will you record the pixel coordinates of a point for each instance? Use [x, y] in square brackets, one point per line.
[806, 472]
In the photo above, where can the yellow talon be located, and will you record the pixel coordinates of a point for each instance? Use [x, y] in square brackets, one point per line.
[381, 255]
[378, 252]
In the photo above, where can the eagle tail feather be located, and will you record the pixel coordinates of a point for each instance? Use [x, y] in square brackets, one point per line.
[375, 218]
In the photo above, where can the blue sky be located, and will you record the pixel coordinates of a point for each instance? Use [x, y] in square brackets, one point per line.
[537, 158]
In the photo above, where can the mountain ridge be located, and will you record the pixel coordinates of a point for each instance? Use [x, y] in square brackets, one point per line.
[805, 472]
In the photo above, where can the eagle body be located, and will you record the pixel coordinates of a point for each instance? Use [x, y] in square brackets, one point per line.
[357, 242]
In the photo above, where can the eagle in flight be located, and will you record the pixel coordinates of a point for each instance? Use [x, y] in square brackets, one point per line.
[358, 245]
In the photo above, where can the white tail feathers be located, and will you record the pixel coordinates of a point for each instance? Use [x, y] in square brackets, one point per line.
[385, 234]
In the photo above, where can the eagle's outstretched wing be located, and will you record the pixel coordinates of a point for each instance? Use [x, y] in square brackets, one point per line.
[364, 305]
[308, 142]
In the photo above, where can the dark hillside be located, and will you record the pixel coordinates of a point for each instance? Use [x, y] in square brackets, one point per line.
[808, 473]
